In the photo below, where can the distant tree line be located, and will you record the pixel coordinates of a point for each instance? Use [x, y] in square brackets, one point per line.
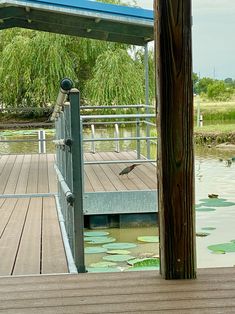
[212, 89]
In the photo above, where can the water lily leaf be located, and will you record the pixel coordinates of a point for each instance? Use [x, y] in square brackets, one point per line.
[119, 245]
[99, 240]
[202, 234]
[208, 228]
[95, 233]
[146, 262]
[150, 239]
[205, 209]
[211, 200]
[141, 268]
[118, 258]
[94, 250]
[218, 252]
[120, 252]
[103, 264]
[217, 202]
[226, 247]
[102, 269]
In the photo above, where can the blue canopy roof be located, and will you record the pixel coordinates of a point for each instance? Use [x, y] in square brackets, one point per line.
[81, 18]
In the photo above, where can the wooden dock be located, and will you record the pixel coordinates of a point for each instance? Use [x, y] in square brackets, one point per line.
[212, 292]
[26, 174]
[31, 245]
[30, 237]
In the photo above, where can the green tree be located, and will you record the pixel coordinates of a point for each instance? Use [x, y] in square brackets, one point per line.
[203, 84]
[117, 79]
[218, 91]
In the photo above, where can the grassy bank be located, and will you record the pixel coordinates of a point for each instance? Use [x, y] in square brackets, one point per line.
[214, 110]
[215, 134]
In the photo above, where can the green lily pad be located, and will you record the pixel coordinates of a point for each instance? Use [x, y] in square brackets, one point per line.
[95, 233]
[103, 264]
[147, 262]
[120, 252]
[119, 245]
[150, 239]
[218, 252]
[211, 200]
[202, 234]
[102, 269]
[208, 228]
[217, 202]
[205, 209]
[99, 240]
[118, 258]
[142, 268]
[94, 250]
[225, 247]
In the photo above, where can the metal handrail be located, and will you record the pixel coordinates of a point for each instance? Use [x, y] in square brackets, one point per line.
[141, 138]
[118, 116]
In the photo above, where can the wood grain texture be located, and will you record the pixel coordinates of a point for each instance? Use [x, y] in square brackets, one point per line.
[175, 141]
[130, 292]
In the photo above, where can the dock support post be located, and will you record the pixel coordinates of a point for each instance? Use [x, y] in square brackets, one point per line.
[175, 138]
[77, 179]
[41, 142]
[146, 66]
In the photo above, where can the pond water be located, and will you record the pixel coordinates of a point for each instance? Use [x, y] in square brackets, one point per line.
[213, 175]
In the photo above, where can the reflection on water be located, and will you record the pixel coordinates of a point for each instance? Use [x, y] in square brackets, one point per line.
[213, 174]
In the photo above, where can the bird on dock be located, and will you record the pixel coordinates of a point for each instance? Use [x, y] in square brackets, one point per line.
[128, 169]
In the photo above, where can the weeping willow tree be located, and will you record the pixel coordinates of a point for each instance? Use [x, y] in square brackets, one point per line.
[32, 64]
[31, 68]
[117, 79]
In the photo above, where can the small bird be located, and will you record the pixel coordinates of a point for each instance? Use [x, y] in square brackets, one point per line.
[128, 169]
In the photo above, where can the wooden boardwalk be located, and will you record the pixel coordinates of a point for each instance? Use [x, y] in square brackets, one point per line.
[30, 237]
[29, 174]
[130, 292]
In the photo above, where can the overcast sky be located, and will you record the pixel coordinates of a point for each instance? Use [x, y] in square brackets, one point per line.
[213, 37]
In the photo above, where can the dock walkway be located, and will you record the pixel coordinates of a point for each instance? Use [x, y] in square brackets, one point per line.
[142, 292]
[29, 174]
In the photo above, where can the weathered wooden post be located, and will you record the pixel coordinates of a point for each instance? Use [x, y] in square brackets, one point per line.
[175, 133]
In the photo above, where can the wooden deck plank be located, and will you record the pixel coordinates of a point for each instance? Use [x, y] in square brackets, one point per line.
[32, 186]
[146, 172]
[29, 255]
[14, 175]
[130, 292]
[52, 182]
[130, 185]
[104, 179]
[53, 256]
[111, 173]
[149, 168]
[43, 184]
[3, 162]
[6, 173]
[6, 211]
[2, 200]
[10, 238]
[94, 179]
[23, 176]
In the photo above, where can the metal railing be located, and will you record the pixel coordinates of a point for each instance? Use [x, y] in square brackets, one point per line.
[70, 165]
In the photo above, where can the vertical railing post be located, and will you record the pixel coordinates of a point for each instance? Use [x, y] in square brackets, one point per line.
[77, 179]
[41, 142]
[138, 135]
[93, 137]
[117, 135]
[146, 66]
